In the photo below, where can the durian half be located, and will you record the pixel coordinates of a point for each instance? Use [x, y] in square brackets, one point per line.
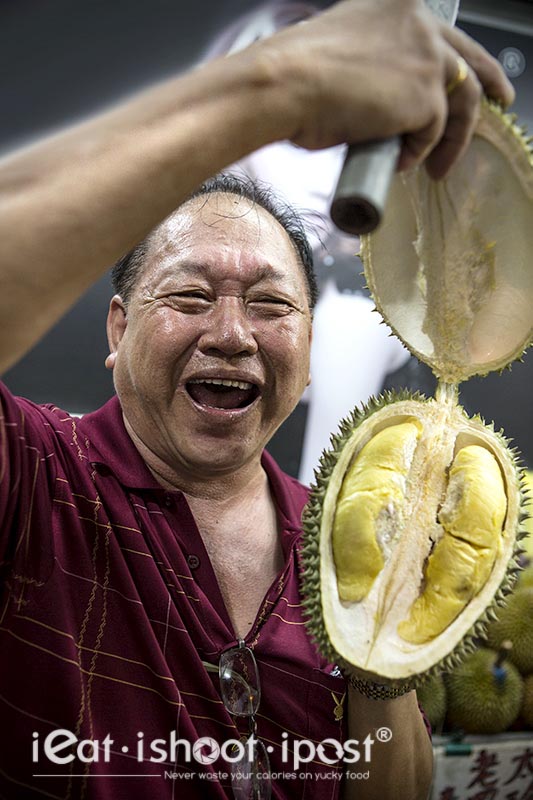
[411, 532]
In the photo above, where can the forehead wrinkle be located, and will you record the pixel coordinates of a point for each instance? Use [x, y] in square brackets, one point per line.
[197, 269]
[176, 234]
[260, 214]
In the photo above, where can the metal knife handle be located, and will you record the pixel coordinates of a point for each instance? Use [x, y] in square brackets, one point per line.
[363, 185]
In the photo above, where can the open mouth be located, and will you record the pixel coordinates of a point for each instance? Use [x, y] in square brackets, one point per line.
[222, 393]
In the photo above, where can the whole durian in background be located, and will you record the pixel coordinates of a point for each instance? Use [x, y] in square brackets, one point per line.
[431, 697]
[526, 711]
[484, 693]
[515, 624]
[411, 531]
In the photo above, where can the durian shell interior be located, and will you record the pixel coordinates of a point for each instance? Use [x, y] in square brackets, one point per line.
[450, 268]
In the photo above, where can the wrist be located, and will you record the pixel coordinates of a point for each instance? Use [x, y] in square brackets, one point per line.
[281, 85]
[376, 691]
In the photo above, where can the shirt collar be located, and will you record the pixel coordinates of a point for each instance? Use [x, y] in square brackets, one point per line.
[111, 447]
[289, 493]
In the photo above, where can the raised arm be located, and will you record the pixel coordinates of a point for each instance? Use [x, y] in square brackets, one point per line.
[72, 204]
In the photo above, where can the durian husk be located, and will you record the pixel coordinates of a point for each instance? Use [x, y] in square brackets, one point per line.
[449, 271]
[525, 579]
[450, 267]
[362, 637]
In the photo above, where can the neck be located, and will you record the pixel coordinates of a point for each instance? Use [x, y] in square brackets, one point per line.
[217, 486]
[237, 520]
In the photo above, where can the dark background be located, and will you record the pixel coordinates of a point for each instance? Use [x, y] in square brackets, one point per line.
[62, 59]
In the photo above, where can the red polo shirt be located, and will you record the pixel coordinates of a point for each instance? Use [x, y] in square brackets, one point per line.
[109, 605]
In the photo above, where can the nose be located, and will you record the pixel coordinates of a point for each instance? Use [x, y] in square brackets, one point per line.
[228, 329]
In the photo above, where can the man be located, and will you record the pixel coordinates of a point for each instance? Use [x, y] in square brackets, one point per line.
[141, 545]
[175, 538]
[351, 352]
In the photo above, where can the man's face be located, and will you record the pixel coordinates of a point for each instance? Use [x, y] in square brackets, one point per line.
[213, 352]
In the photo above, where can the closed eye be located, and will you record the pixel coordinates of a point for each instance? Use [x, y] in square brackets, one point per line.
[198, 295]
[270, 306]
[189, 301]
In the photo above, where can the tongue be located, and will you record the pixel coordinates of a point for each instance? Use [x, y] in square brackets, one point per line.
[206, 394]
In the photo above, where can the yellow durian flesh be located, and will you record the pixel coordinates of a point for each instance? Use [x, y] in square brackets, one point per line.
[472, 518]
[366, 633]
[369, 507]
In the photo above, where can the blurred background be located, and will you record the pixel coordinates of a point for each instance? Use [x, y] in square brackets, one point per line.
[60, 60]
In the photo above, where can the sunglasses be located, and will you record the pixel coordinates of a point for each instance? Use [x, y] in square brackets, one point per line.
[240, 691]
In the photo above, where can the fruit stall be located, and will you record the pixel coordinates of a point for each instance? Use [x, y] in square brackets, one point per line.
[499, 767]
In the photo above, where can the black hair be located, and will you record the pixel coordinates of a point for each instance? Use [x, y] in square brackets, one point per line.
[126, 271]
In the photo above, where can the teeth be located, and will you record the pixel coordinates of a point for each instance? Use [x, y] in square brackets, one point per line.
[222, 382]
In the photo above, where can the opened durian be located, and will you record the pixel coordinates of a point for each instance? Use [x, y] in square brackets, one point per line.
[411, 531]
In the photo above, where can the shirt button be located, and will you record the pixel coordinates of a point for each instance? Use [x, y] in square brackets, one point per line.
[169, 500]
[193, 561]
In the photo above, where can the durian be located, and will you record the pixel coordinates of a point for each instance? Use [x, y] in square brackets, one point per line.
[526, 712]
[431, 697]
[515, 623]
[525, 578]
[411, 532]
[484, 693]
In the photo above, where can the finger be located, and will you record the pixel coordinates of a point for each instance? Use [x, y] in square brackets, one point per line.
[417, 146]
[488, 69]
[463, 112]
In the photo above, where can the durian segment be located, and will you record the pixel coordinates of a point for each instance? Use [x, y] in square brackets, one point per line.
[476, 502]
[472, 518]
[369, 508]
[449, 269]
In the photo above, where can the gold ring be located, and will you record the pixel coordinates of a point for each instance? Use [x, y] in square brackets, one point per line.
[460, 76]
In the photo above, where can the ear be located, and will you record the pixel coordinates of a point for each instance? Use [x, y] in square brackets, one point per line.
[115, 326]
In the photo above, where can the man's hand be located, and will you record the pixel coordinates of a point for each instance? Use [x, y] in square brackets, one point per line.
[370, 69]
[366, 69]
[401, 765]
